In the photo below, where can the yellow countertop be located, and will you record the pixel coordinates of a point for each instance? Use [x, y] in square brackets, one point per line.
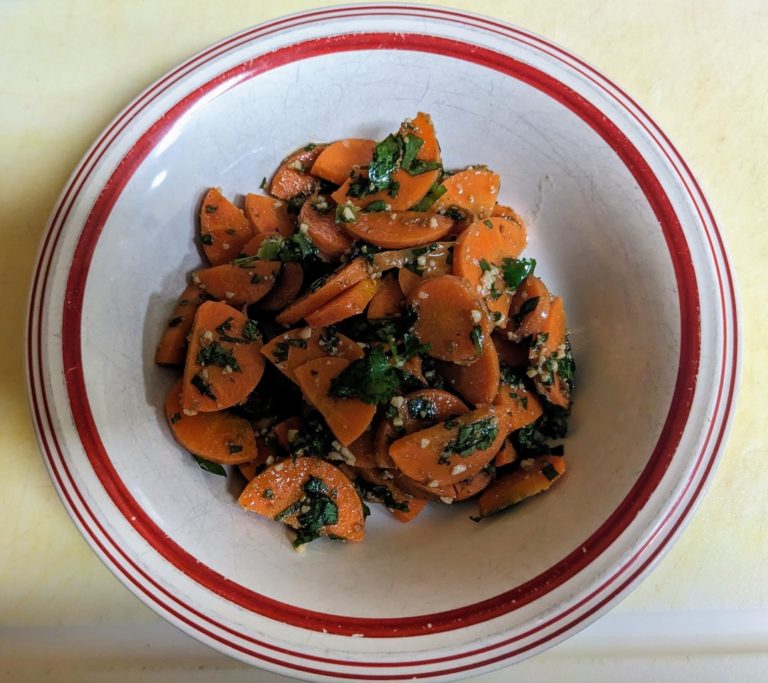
[697, 66]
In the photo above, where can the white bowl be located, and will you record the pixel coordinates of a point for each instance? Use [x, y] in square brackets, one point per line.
[620, 229]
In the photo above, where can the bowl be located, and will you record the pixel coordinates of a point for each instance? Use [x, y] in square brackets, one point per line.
[620, 228]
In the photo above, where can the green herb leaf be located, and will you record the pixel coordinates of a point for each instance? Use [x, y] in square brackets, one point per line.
[346, 213]
[422, 408]
[411, 146]
[385, 161]
[549, 472]
[379, 493]
[211, 208]
[251, 330]
[527, 306]
[269, 494]
[212, 467]
[373, 379]
[206, 238]
[173, 322]
[435, 192]
[314, 438]
[234, 448]
[474, 436]
[477, 337]
[376, 207]
[202, 386]
[515, 270]
[216, 354]
[175, 418]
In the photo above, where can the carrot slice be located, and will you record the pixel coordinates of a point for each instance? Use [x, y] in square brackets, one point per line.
[473, 191]
[219, 437]
[398, 230]
[285, 290]
[342, 279]
[418, 410]
[521, 406]
[450, 319]
[387, 301]
[401, 258]
[479, 382]
[453, 450]
[223, 361]
[547, 349]
[407, 506]
[514, 487]
[363, 450]
[435, 264]
[282, 429]
[506, 456]
[238, 285]
[446, 493]
[509, 213]
[172, 348]
[252, 246]
[268, 215]
[350, 302]
[347, 418]
[336, 161]
[529, 309]
[411, 190]
[292, 178]
[422, 127]
[295, 347]
[329, 238]
[265, 455]
[223, 228]
[276, 491]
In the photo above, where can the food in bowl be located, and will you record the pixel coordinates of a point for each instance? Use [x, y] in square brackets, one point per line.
[367, 331]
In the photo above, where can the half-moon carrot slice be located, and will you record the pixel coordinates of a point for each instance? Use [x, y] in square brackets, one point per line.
[285, 290]
[297, 346]
[422, 127]
[329, 238]
[347, 418]
[223, 361]
[279, 492]
[350, 302]
[172, 348]
[446, 493]
[292, 178]
[398, 230]
[453, 450]
[224, 228]
[451, 319]
[435, 264]
[265, 455]
[336, 161]
[406, 507]
[506, 456]
[219, 437]
[238, 285]
[521, 405]
[528, 310]
[472, 191]
[342, 279]
[547, 350]
[514, 487]
[387, 301]
[477, 383]
[268, 215]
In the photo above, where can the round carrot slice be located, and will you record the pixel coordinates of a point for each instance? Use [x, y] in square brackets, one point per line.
[238, 285]
[473, 191]
[268, 215]
[292, 178]
[285, 290]
[223, 228]
[479, 382]
[451, 319]
[398, 230]
[337, 160]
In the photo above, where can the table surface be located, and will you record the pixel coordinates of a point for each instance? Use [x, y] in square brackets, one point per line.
[697, 66]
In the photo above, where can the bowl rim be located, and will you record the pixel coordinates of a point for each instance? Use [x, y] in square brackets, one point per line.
[46, 432]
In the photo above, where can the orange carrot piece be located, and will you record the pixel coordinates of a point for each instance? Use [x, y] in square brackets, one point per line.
[446, 493]
[342, 279]
[506, 456]
[433, 454]
[331, 241]
[450, 314]
[509, 213]
[172, 348]
[336, 161]
[398, 230]
[264, 451]
[363, 450]
[211, 380]
[347, 418]
[436, 265]
[281, 486]
[292, 178]
[472, 191]
[514, 487]
[252, 246]
[238, 285]
[435, 256]
[297, 346]
[285, 290]
[422, 127]
[477, 383]
[268, 215]
[282, 429]
[219, 437]
[548, 347]
[350, 302]
[521, 406]
[412, 189]
[223, 228]
[382, 478]
[387, 301]
[415, 506]
[520, 326]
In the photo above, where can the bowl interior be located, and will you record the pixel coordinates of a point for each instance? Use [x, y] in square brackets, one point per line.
[597, 243]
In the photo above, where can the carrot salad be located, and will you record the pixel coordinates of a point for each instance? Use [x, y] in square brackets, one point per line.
[367, 331]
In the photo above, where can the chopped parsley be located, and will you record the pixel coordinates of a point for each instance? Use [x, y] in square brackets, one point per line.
[234, 448]
[476, 335]
[373, 379]
[549, 472]
[296, 247]
[211, 208]
[251, 330]
[422, 408]
[206, 238]
[203, 387]
[173, 322]
[216, 354]
[175, 418]
[375, 207]
[515, 270]
[269, 494]
[472, 437]
[527, 307]
[314, 438]
[379, 493]
[263, 183]
[346, 213]
[435, 192]
[319, 511]
[280, 350]
[212, 467]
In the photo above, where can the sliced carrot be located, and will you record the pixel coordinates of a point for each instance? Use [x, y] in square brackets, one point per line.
[329, 238]
[387, 301]
[521, 405]
[342, 279]
[268, 215]
[238, 285]
[415, 506]
[223, 361]
[252, 246]
[514, 354]
[508, 213]
[506, 456]
[422, 127]
[281, 486]
[218, 437]
[398, 230]
[285, 290]
[418, 410]
[336, 161]
[411, 190]
[453, 450]
[282, 430]
[292, 178]
[547, 349]
[520, 324]
[472, 191]
[264, 451]
[450, 319]
[435, 265]
[446, 493]
[514, 487]
[172, 348]
[223, 228]
[382, 479]
[347, 418]
[400, 258]
[295, 347]
[350, 302]
[476, 383]
[554, 327]
[363, 451]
